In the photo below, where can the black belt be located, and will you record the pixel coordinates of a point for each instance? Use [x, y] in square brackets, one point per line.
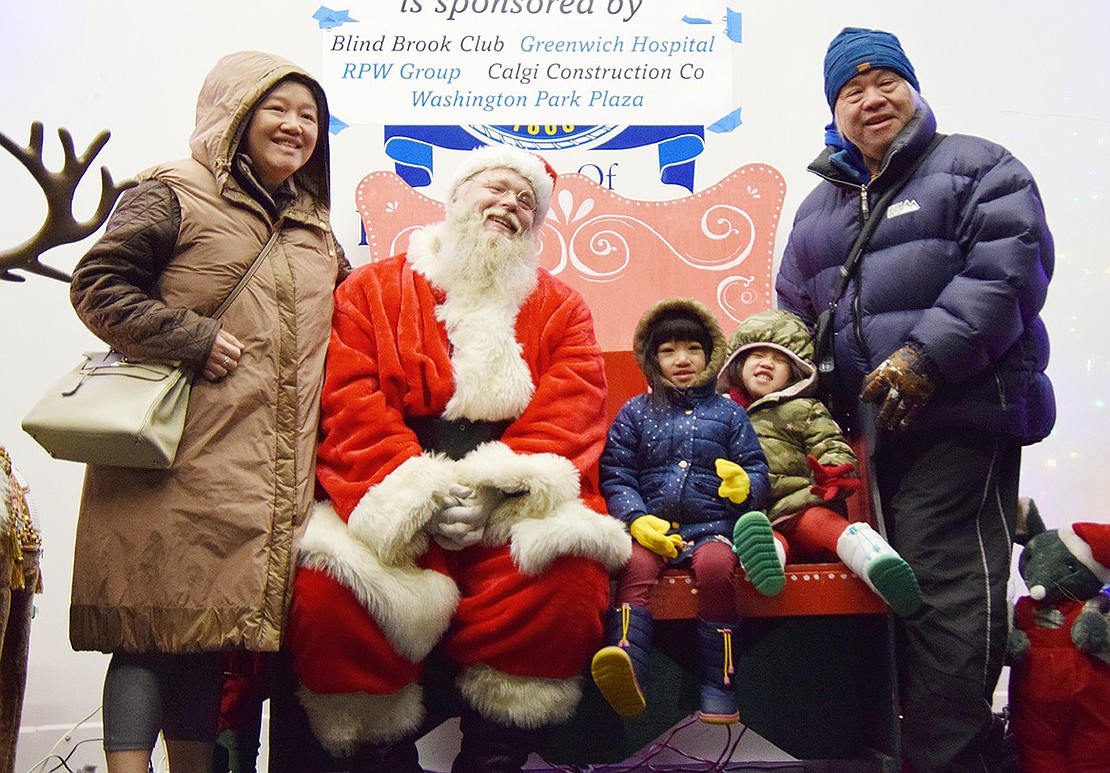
[455, 437]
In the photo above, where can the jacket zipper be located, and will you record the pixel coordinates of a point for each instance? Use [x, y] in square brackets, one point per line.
[857, 307]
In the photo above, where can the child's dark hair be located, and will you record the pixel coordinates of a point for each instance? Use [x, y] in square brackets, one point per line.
[673, 326]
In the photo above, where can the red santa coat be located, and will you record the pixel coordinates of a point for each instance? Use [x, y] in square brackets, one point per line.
[1059, 695]
[374, 594]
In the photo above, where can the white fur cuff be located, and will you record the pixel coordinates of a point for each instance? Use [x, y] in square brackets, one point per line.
[391, 516]
[344, 722]
[412, 606]
[572, 530]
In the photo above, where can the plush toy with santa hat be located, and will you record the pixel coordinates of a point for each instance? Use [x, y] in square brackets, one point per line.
[1059, 650]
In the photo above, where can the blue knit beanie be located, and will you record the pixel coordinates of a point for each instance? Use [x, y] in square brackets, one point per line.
[856, 50]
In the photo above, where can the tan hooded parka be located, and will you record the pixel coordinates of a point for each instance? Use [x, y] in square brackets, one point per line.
[200, 557]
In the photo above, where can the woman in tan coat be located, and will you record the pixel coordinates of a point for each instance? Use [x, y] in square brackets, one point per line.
[174, 566]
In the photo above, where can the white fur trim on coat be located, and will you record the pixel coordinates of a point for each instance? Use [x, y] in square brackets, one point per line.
[391, 516]
[542, 515]
[412, 606]
[343, 722]
[492, 381]
[527, 702]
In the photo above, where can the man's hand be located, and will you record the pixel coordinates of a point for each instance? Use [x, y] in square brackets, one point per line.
[461, 521]
[901, 386]
[832, 481]
[651, 532]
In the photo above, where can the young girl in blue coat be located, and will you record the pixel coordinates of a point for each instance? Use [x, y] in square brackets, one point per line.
[660, 475]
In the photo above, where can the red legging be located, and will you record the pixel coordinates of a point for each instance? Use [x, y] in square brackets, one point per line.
[714, 565]
[811, 531]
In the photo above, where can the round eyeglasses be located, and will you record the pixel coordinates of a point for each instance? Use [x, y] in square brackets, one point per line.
[525, 199]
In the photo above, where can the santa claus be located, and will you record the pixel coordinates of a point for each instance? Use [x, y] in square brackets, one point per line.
[462, 420]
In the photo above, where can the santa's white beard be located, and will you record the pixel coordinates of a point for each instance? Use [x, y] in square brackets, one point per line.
[486, 276]
[481, 258]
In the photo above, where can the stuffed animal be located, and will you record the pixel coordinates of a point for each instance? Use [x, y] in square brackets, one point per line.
[1059, 651]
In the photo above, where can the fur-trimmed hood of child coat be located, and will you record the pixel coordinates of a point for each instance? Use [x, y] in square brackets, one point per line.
[692, 308]
[792, 422]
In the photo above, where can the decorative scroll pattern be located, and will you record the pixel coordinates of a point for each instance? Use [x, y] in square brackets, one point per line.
[624, 254]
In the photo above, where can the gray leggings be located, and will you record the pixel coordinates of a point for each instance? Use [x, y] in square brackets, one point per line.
[178, 695]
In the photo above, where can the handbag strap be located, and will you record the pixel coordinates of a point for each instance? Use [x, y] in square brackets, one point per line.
[872, 222]
[248, 275]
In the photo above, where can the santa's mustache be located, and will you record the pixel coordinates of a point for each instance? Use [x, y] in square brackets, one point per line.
[506, 218]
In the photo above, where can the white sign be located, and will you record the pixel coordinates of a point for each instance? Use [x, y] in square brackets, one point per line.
[428, 62]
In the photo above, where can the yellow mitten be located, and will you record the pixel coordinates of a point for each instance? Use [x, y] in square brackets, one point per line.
[735, 484]
[651, 532]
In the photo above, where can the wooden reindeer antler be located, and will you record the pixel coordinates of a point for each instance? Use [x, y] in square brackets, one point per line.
[59, 187]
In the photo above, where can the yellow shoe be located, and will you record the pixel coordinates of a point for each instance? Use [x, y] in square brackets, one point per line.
[614, 676]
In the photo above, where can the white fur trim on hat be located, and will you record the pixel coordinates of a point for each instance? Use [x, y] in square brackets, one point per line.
[531, 167]
[1090, 543]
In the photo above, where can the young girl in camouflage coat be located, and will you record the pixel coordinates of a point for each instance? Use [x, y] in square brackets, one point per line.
[770, 372]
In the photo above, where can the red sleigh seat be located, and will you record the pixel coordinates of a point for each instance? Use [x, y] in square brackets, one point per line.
[811, 589]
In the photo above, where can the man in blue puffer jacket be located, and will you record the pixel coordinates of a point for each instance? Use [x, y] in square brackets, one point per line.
[939, 328]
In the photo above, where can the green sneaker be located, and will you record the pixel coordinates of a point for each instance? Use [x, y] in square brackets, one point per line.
[753, 539]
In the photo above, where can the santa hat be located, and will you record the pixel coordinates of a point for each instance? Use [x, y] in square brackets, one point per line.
[1090, 543]
[533, 168]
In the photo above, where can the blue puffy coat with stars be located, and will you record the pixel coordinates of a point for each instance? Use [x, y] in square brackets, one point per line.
[662, 461]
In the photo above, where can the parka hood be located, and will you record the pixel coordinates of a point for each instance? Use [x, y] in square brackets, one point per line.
[230, 92]
[780, 330]
[691, 308]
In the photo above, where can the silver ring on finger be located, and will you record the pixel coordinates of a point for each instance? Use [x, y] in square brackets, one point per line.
[226, 360]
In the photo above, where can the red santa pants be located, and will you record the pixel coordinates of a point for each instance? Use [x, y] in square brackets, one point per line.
[546, 626]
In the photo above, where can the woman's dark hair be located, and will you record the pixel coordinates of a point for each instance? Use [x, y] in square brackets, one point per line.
[671, 326]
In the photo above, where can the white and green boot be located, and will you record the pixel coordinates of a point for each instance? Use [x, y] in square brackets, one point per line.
[873, 560]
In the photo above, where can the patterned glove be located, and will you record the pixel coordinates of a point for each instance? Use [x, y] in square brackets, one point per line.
[832, 481]
[651, 532]
[735, 483]
[901, 386]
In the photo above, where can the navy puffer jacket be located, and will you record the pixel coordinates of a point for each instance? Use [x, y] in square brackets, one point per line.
[958, 268]
[661, 461]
